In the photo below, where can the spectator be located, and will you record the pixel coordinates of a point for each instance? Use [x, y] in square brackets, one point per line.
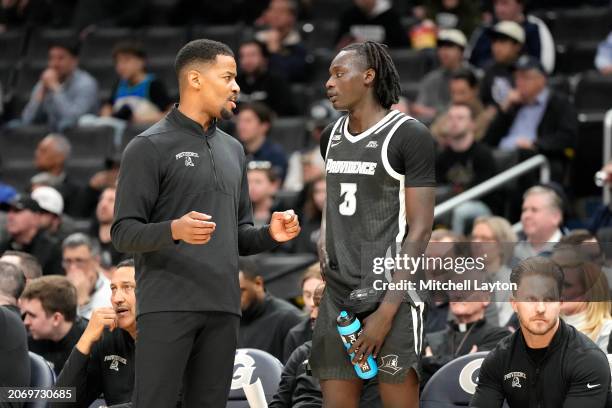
[434, 95]
[139, 97]
[468, 332]
[535, 119]
[373, 20]
[493, 239]
[546, 361]
[308, 165]
[603, 58]
[302, 332]
[15, 367]
[263, 186]
[26, 262]
[110, 332]
[463, 87]
[538, 40]
[254, 122]
[458, 14]
[81, 261]
[101, 227]
[63, 93]
[298, 388]
[258, 83]
[541, 219]
[12, 283]
[50, 158]
[311, 213]
[266, 319]
[283, 40]
[52, 219]
[586, 294]
[463, 164]
[49, 306]
[507, 39]
[25, 234]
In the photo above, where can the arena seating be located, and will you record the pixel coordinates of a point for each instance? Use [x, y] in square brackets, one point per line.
[41, 375]
[251, 365]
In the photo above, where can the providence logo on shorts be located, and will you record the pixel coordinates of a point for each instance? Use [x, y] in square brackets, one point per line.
[389, 364]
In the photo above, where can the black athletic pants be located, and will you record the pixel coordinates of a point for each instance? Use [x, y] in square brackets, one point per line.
[189, 350]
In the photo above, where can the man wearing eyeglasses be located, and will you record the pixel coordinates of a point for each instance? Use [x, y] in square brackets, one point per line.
[102, 361]
[81, 262]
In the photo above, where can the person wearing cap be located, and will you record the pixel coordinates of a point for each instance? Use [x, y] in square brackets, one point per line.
[535, 119]
[52, 218]
[538, 40]
[63, 93]
[507, 39]
[434, 95]
[26, 234]
[139, 96]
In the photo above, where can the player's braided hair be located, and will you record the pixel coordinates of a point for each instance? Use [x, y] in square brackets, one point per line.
[387, 81]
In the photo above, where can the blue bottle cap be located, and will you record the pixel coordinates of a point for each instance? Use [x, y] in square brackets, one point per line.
[343, 314]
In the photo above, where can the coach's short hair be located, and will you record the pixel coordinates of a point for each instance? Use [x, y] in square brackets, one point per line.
[126, 263]
[539, 266]
[28, 263]
[12, 280]
[202, 50]
[55, 293]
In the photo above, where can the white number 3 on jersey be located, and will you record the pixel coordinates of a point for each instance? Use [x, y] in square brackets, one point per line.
[349, 205]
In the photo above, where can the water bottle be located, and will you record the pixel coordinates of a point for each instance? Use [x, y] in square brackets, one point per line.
[349, 328]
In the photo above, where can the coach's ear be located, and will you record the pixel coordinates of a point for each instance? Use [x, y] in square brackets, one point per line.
[368, 76]
[194, 79]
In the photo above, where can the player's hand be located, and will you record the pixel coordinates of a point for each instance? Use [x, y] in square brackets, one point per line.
[193, 228]
[375, 329]
[284, 226]
[50, 79]
[100, 318]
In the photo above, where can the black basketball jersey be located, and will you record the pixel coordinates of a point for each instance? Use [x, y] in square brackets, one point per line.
[366, 209]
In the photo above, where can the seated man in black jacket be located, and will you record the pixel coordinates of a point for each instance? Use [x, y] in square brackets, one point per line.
[534, 119]
[102, 362]
[266, 319]
[546, 362]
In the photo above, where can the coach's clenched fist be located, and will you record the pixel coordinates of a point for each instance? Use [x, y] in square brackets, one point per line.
[193, 228]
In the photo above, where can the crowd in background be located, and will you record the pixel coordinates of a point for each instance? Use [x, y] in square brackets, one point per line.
[493, 90]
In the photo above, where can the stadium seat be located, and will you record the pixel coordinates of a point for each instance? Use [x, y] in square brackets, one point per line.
[411, 65]
[576, 57]
[560, 84]
[90, 144]
[104, 72]
[289, 132]
[593, 93]
[163, 68]
[410, 90]
[454, 384]
[328, 9]
[251, 365]
[11, 45]
[41, 375]
[163, 42]
[28, 77]
[303, 96]
[570, 24]
[18, 144]
[98, 45]
[320, 34]
[41, 39]
[320, 67]
[231, 35]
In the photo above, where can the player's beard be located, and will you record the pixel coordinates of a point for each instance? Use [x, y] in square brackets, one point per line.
[226, 114]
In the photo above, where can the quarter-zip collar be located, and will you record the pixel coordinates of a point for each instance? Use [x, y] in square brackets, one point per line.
[191, 126]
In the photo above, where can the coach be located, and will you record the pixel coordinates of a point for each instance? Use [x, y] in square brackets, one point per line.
[183, 209]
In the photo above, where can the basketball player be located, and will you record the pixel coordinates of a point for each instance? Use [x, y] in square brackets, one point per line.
[380, 196]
